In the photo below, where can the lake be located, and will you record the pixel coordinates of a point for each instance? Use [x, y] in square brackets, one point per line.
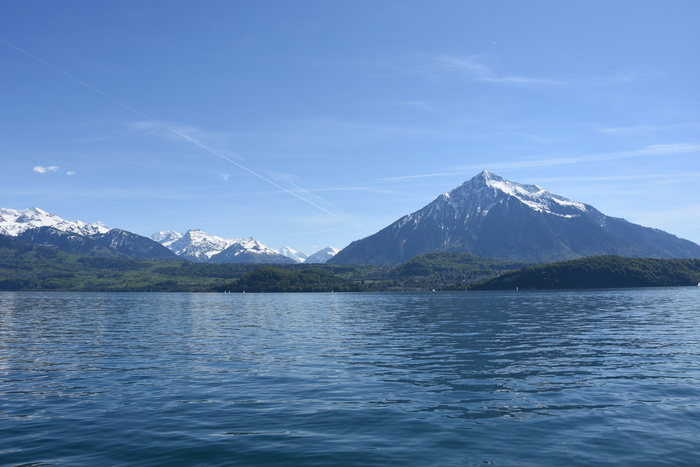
[599, 377]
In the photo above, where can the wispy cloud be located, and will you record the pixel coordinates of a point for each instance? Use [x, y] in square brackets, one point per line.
[475, 68]
[193, 136]
[646, 128]
[415, 105]
[478, 71]
[105, 193]
[653, 150]
[180, 131]
[658, 179]
[46, 169]
[70, 173]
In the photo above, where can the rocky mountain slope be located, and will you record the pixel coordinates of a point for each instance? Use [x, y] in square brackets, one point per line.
[493, 217]
[323, 255]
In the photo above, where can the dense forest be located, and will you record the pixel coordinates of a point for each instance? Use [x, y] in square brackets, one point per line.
[272, 279]
[599, 272]
[27, 267]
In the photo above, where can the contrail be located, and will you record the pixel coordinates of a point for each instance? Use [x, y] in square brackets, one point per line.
[131, 109]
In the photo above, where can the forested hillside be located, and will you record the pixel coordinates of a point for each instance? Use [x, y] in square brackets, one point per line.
[599, 272]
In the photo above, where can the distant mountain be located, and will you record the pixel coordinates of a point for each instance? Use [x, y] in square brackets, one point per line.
[14, 222]
[133, 245]
[250, 251]
[202, 247]
[194, 245]
[65, 241]
[39, 227]
[166, 238]
[297, 256]
[492, 217]
[322, 256]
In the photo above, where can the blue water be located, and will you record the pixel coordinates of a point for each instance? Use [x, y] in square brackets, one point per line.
[473, 378]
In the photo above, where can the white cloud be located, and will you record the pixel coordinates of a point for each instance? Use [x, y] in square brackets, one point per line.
[649, 128]
[480, 72]
[653, 150]
[474, 68]
[70, 173]
[44, 169]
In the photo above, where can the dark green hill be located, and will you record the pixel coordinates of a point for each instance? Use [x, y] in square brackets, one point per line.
[599, 272]
[273, 279]
[24, 266]
[454, 263]
[444, 271]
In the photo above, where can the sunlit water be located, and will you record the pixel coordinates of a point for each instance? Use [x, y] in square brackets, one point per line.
[506, 378]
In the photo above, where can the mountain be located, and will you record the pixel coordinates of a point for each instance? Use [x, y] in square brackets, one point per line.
[250, 251]
[39, 227]
[322, 256]
[65, 241]
[194, 245]
[297, 256]
[492, 217]
[199, 246]
[14, 222]
[133, 245]
[166, 238]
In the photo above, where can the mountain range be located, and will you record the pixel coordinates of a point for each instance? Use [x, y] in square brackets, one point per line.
[487, 216]
[492, 217]
[39, 227]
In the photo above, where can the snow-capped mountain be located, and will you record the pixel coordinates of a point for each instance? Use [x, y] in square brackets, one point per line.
[250, 251]
[39, 227]
[193, 245]
[493, 217]
[14, 222]
[166, 238]
[297, 256]
[133, 245]
[196, 245]
[323, 256]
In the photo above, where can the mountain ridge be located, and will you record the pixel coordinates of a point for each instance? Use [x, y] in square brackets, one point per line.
[15, 221]
[36, 226]
[492, 217]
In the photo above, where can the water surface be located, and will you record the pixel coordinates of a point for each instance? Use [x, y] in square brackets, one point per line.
[473, 378]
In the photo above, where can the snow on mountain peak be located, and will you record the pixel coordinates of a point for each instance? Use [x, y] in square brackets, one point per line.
[14, 222]
[195, 244]
[250, 244]
[486, 189]
[323, 255]
[297, 256]
[166, 237]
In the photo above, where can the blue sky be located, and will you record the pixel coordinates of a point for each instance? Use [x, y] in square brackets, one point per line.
[316, 123]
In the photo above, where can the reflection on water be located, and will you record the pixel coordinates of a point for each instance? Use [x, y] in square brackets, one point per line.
[532, 378]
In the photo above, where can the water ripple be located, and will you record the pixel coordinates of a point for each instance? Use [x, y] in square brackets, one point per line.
[535, 378]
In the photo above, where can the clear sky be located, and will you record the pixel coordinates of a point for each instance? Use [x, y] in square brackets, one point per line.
[316, 123]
